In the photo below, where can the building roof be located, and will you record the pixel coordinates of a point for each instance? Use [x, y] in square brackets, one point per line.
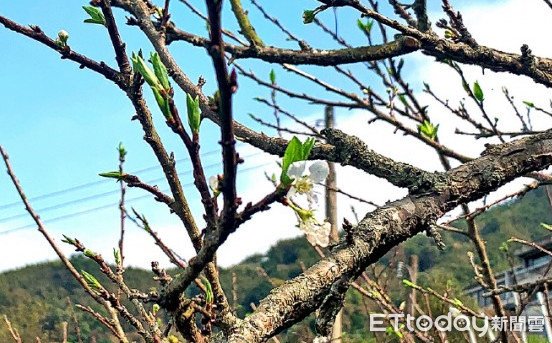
[529, 251]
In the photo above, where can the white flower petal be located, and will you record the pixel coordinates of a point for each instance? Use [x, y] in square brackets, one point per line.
[292, 191]
[296, 169]
[319, 171]
[312, 198]
[317, 234]
[214, 183]
[311, 237]
[324, 234]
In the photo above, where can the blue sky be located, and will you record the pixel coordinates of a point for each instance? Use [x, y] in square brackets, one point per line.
[61, 125]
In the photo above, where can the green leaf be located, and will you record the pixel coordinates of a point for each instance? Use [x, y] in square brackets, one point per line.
[89, 253]
[369, 24]
[478, 92]
[360, 25]
[93, 21]
[91, 280]
[308, 16]
[402, 98]
[208, 292]
[272, 76]
[307, 147]
[466, 87]
[122, 151]
[68, 240]
[163, 103]
[529, 104]
[504, 247]
[391, 330]
[429, 130]
[96, 15]
[141, 67]
[158, 12]
[295, 151]
[117, 256]
[160, 71]
[408, 283]
[194, 113]
[366, 28]
[546, 226]
[113, 175]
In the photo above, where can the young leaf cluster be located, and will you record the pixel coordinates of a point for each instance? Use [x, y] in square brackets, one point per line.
[96, 16]
[157, 79]
[428, 129]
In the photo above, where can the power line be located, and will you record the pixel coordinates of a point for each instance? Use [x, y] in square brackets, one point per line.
[101, 195]
[99, 208]
[93, 183]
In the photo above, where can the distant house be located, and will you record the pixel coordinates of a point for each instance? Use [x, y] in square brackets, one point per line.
[535, 265]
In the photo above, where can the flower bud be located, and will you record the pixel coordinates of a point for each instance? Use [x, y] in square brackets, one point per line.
[63, 36]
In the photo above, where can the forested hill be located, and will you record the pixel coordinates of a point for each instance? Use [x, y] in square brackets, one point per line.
[35, 298]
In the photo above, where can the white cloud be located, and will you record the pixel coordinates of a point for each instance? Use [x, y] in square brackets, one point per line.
[27, 247]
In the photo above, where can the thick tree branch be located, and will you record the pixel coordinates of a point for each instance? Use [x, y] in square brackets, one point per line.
[537, 68]
[386, 227]
[351, 150]
[401, 46]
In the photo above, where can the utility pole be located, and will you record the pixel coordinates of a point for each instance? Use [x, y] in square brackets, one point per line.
[331, 183]
[413, 274]
[331, 215]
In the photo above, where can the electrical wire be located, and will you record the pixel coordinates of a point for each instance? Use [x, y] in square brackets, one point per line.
[101, 195]
[99, 208]
[93, 183]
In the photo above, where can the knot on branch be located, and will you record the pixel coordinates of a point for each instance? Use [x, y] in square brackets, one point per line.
[348, 229]
[408, 43]
[432, 232]
[331, 306]
[420, 10]
[527, 58]
[344, 144]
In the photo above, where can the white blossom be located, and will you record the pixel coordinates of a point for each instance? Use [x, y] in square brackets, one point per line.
[303, 183]
[318, 234]
[214, 184]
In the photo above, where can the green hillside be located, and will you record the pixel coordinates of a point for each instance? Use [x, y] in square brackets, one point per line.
[35, 297]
